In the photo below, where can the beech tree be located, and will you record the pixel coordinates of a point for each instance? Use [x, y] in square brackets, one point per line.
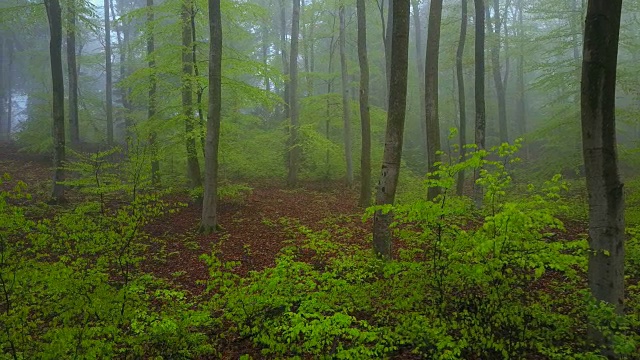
[365, 116]
[54, 14]
[606, 197]
[346, 110]
[210, 197]
[72, 69]
[108, 73]
[153, 86]
[431, 90]
[294, 142]
[462, 103]
[388, 183]
[480, 121]
[193, 166]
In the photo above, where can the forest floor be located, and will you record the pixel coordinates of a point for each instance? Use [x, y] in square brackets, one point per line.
[253, 231]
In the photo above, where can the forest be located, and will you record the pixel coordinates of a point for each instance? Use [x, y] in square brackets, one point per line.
[319, 179]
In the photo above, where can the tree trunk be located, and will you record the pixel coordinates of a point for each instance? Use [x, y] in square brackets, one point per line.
[420, 64]
[214, 116]
[285, 66]
[193, 166]
[54, 15]
[462, 101]
[521, 101]
[431, 91]
[153, 85]
[606, 197]
[346, 109]
[3, 90]
[365, 117]
[294, 142]
[395, 128]
[72, 68]
[480, 121]
[497, 72]
[122, 36]
[108, 73]
[9, 86]
[199, 88]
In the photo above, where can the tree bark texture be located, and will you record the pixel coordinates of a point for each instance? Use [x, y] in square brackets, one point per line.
[606, 200]
[214, 117]
[395, 128]
[521, 100]
[365, 116]
[54, 14]
[420, 64]
[496, 69]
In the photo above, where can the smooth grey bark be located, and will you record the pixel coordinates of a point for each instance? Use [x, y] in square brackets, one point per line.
[346, 109]
[72, 69]
[193, 166]
[606, 197]
[108, 73]
[395, 128]
[54, 14]
[3, 90]
[122, 37]
[153, 86]
[431, 91]
[420, 63]
[462, 100]
[480, 118]
[285, 64]
[294, 142]
[365, 116]
[214, 116]
[497, 71]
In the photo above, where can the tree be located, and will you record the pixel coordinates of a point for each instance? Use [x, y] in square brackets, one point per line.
[520, 101]
[153, 86]
[193, 167]
[346, 110]
[499, 82]
[420, 64]
[54, 14]
[294, 146]
[395, 128]
[462, 103]
[108, 73]
[480, 122]
[72, 68]
[210, 197]
[365, 117]
[606, 198]
[431, 90]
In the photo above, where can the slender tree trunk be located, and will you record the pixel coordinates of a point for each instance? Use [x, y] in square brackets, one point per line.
[329, 90]
[9, 80]
[389, 43]
[196, 72]
[214, 117]
[153, 84]
[387, 48]
[285, 66]
[346, 109]
[462, 102]
[420, 64]
[497, 72]
[521, 101]
[365, 117]
[108, 73]
[480, 121]
[265, 58]
[193, 166]
[606, 197]
[72, 68]
[431, 91]
[575, 32]
[122, 37]
[395, 128]
[54, 14]
[3, 90]
[294, 149]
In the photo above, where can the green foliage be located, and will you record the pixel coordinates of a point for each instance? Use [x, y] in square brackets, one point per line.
[72, 286]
